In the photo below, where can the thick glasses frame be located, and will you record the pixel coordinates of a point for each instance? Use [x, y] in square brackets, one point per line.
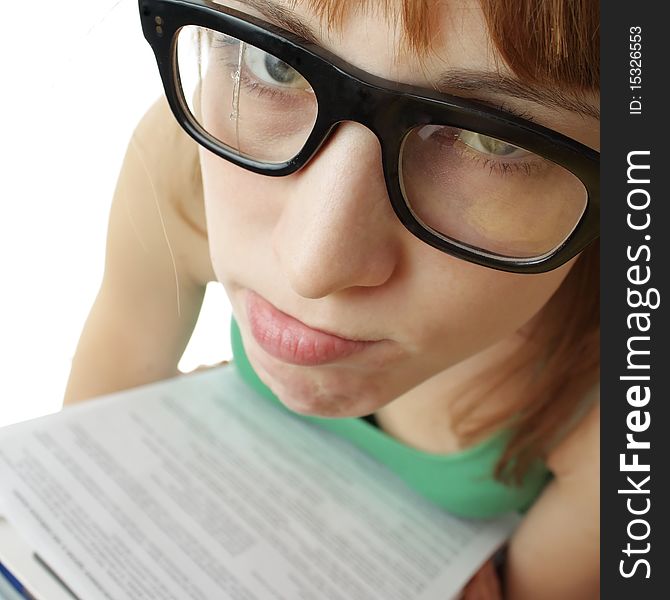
[388, 108]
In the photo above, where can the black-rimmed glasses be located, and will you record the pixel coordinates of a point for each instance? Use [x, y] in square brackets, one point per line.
[470, 180]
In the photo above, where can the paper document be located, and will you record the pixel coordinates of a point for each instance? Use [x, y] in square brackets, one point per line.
[198, 488]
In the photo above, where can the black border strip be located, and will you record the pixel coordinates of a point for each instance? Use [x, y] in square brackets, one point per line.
[634, 245]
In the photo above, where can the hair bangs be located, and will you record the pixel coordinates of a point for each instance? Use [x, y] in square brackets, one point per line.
[548, 41]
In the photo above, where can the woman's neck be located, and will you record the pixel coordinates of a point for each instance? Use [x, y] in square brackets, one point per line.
[423, 416]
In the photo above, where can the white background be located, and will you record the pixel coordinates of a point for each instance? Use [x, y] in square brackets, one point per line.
[75, 77]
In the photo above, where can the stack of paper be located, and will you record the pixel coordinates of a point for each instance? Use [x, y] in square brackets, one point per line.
[198, 488]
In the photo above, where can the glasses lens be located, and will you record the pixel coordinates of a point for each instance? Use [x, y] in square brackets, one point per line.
[250, 101]
[489, 195]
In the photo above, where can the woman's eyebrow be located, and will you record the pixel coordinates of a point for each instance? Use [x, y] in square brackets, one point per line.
[284, 18]
[455, 81]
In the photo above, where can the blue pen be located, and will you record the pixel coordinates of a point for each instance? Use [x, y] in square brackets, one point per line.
[14, 590]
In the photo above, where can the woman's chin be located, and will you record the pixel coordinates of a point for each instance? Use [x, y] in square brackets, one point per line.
[319, 391]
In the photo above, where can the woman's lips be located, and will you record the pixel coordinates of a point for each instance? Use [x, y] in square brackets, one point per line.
[291, 341]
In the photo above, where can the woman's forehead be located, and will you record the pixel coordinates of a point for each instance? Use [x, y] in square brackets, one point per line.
[416, 21]
[383, 38]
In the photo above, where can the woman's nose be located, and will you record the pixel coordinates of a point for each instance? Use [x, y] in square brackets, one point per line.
[337, 229]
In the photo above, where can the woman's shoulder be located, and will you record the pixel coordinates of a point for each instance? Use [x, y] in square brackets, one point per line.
[579, 448]
[171, 161]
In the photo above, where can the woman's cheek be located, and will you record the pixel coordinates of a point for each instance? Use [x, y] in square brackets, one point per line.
[240, 211]
[470, 307]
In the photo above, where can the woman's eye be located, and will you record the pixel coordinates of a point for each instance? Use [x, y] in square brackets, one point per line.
[270, 69]
[488, 145]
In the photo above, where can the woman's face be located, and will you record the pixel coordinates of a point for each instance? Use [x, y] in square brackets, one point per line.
[319, 255]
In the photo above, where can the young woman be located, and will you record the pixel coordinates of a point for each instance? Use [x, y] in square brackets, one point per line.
[401, 200]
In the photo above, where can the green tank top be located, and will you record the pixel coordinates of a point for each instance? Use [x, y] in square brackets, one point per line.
[461, 482]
